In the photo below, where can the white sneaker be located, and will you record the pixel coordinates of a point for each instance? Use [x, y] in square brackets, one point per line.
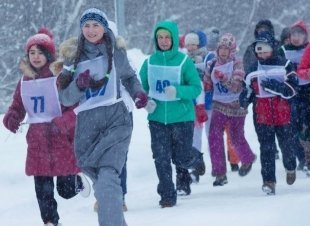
[85, 190]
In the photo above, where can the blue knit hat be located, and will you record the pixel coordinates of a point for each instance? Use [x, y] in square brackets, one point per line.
[94, 14]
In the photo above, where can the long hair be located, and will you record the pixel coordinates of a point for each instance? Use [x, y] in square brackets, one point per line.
[109, 46]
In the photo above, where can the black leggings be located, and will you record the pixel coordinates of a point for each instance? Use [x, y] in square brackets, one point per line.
[44, 187]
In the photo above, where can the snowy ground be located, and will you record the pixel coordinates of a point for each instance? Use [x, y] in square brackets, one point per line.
[241, 202]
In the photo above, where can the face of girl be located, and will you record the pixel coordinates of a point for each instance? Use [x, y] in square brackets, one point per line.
[36, 57]
[297, 38]
[164, 41]
[93, 31]
[224, 52]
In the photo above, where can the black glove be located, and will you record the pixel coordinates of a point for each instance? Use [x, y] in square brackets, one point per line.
[277, 87]
[245, 98]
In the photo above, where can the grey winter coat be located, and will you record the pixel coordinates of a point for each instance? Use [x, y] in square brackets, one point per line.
[103, 134]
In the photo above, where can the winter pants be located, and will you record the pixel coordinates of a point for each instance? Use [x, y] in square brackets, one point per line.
[217, 152]
[232, 155]
[297, 109]
[171, 142]
[44, 187]
[108, 193]
[266, 137]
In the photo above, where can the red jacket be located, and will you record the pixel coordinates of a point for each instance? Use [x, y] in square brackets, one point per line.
[50, 145]
[304, 65]
[271, 110]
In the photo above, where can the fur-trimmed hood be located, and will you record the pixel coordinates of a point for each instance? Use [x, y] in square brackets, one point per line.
[68, 51]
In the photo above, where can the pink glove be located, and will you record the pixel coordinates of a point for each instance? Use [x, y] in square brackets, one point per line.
[141, 99]
[201, 113]
[220, 76]
[11, 122]
[83, 80]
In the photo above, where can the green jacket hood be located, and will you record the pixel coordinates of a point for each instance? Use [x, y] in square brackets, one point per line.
[172, 27]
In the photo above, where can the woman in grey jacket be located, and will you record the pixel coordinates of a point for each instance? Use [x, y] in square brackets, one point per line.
[100, 78]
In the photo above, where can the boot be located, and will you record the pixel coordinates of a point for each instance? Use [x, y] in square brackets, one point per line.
[83, 185]
[290, 177]
[234, 167]
[246, 168]
[220, 181]
[269, 188]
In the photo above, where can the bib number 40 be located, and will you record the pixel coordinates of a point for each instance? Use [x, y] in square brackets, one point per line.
[161, 85]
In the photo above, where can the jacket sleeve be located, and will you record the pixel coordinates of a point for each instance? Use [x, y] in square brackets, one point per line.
[191, 87]
[17, 107]
[66, 123]
[304, 66]
[235, 83]
[144, 76]
[70, 95]
[126, 73]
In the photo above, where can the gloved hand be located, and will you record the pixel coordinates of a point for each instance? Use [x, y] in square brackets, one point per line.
[201, 113]
[150, 106]
[25, 68]
[220, 76]
[276, 87]
[63, 80]
[244, 99]
[170, 92]
[83, 80]
[97, 84]
[141, 99]
[11, 122]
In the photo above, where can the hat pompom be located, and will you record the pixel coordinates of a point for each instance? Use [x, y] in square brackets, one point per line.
[44, 30]
[191, 39]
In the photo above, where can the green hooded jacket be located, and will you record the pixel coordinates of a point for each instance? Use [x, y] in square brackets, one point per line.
[181, 110]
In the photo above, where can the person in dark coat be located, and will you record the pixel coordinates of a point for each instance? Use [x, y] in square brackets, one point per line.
[298, 40]
[51, 128]
[270, 86]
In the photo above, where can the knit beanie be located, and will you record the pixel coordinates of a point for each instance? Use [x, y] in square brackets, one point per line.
[43, 38]
[266, 24]
[96, 15]
[191, 39]
[202, 39]
[264, 42]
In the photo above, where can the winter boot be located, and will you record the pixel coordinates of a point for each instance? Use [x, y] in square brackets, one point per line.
[234, 167]
[183, 182]
[167, 204]
[200, 167]
[290, 177]
[269, 188]
[220, 181]
[83, 186]
[195, 176]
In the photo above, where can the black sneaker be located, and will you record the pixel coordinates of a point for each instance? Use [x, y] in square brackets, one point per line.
[245, 168]
[195, 176]
[220, 181]
[165, 204]
[234, 167]
[269, 188]
[183, 182]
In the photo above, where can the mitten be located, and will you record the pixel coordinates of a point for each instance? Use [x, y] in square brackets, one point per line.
[170, 92]
[150, 106]
[11, 122]
[63, 80]
[141, 99]
[201, 113]
[83, 80]
[276, 87]
[244, 98]
[220, 76]
[97, 84]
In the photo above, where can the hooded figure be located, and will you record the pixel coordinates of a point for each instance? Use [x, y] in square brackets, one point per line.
[172, 81]
[249, 55]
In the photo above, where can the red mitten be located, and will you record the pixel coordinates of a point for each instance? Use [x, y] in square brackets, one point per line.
[220, 76]
[201, 113]
[141, 100]
[11, 122]
[83, 80]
